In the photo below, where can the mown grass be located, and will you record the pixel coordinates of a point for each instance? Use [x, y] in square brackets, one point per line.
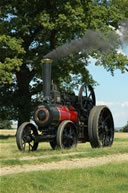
[111, 178]
[10, 155]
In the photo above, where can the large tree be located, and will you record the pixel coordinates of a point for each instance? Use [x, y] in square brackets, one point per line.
[29, 29]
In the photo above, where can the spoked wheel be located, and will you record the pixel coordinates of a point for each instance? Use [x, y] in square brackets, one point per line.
[66, 135]
[25, 137]
[102, 127]
[86, 97]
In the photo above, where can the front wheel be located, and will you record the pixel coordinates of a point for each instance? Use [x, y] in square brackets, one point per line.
[25, 137]
[66, 135]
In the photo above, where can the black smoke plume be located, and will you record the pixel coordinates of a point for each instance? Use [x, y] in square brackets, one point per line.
[92, 40]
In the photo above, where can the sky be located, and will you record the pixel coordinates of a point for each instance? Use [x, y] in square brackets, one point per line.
[112, 91]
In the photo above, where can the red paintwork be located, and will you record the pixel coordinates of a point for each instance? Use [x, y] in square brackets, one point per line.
[67, 113]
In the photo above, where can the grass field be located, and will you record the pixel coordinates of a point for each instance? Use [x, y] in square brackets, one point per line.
[107, 178]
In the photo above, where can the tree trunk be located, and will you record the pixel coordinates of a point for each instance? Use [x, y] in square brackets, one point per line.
[23, 95]
[24, 110]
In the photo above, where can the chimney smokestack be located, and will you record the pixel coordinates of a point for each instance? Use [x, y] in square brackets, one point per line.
[46, 68]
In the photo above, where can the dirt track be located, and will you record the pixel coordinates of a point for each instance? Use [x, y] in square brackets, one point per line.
[65, 164]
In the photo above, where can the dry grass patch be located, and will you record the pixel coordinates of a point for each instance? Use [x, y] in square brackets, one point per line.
[7, 132]
[121, 135]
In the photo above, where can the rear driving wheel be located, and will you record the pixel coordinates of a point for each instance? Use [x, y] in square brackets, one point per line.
[90, 125]
[66, 135]
[102, 127]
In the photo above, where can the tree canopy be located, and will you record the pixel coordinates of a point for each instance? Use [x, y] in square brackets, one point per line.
[29, 29]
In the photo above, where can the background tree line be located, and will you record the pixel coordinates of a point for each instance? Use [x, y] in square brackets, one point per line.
[29, 29]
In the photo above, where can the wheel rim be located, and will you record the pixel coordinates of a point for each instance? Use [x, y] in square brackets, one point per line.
[69, 136]
[86, 97]
[26, 137]
[105, 128]
[90, 125]
[66, 135]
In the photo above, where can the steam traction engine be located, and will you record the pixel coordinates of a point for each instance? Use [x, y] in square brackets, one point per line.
[64, 119]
